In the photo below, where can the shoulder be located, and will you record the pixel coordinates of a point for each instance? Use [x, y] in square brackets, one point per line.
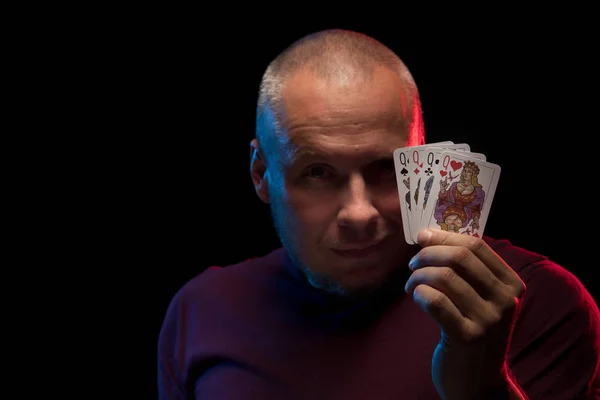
[546, 281]
[555, 300]
[543, 274]
[222, 282]
[557, 334]
[554, 297]
[519, 259]
[215, 298]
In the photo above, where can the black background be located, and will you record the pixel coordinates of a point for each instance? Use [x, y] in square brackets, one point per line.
[176, 115]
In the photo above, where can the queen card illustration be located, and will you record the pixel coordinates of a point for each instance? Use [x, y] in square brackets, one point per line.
[462, 194]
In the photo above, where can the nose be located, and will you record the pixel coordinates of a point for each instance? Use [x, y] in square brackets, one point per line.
[357, 209]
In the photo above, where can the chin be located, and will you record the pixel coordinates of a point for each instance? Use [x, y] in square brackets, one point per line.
[351, 274]
[356, 281]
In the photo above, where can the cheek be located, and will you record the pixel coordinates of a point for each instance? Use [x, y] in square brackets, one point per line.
[314, 215]
[312, 211]
[389, 205]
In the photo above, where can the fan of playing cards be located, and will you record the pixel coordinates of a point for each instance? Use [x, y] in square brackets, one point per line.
[444, 185]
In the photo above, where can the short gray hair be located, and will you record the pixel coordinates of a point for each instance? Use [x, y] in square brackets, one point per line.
[325, 53]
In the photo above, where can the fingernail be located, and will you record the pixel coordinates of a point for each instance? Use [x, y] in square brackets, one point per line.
[412, 263]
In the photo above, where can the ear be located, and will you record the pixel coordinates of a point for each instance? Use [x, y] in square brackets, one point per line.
[258, 171]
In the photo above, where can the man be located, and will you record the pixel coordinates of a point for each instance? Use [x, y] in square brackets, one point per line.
[346, 309]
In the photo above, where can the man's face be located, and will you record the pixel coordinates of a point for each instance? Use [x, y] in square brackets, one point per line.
[332, 185]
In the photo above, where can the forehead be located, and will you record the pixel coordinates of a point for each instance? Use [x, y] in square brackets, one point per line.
[350, 115]
[352, 147]
[348, 96]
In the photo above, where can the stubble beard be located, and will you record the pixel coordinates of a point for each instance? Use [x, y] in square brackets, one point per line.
[285, 228]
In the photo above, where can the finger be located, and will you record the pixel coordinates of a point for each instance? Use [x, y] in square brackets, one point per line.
[456, 289]
[432, 237]
[464, 263]
[439, 307]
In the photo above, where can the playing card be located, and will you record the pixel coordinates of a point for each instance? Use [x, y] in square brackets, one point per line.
[403, 164]
[431, 162]
[461, 194]
[416, 174]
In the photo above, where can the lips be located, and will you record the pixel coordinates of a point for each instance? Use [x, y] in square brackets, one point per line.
[360, 251]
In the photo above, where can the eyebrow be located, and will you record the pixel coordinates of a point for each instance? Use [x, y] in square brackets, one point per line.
[307, 152]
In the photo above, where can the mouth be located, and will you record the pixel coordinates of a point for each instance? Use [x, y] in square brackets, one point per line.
[360, 251]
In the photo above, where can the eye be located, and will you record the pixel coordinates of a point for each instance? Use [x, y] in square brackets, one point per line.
[382, 170]
[317, 171]
[387, 164]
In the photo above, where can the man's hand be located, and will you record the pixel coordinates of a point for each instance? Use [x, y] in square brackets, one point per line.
[474, 296]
